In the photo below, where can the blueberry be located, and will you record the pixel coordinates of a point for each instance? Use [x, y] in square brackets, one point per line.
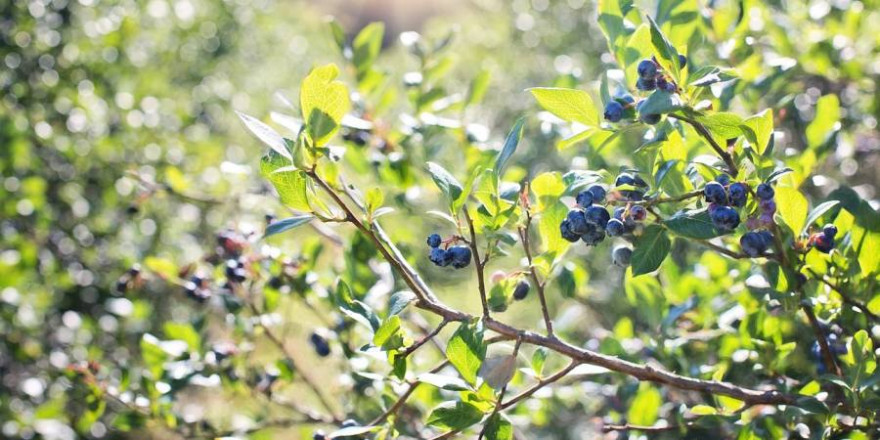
[613, 111]
[768, 206]
[682, 61]
[714, 193]
[647, 69]
[434, 240]
[723, 179]
[521, 290]
[638, 212]
[598, 193]
[738, 194]
[830, 230]
[597, 216]
[624, 179]
[639, 182]
[666, 85]
[615, 228]
[765, 219]
[320, 344]
[461, 256]
[646, 85]
[767, 237]
[753, 244]
[618, 213]
[765, 191]
[440, 257]
[577, 221]
[822, 242]
[594, 236]
[567, 233]
[584, 198]
[319, 435]
[621, 256]
[724, 218]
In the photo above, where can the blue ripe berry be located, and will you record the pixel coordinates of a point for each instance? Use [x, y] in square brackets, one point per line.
[521, 290]
[440, 257]
[597, 216]
[598, 193]
[434, 240]
[723, 179]
[638, 213]
[724, 218]
[767, 236]
[768, 206]
[613, 111]
[650, 119]
[830, 230]
[320, 344]
[594, 236]
[567, 233]
[615, 228]
[666, 85]
[621, 256]
[577, 222]
[646, 85]
[738, 194]
[714, 193]
[647, 69]
[461, 256]
[624, 179]
[584, 198]
[753, 244]
[639, 182]
[765, 191]
[682, 61]
[618, 213]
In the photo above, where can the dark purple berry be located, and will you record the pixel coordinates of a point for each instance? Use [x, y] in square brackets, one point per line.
[440, 257]
[594, 236]
[613, 111]
[521, 290]
[577, 221]
[320, 344]
[615, 228]
[724, 218]
[765, 191]
[738, 194]
[584, 198]
[621, 256]
[714, 193]
[597, 216]
[723, 179]
[598, 193]
[567, 233]
[682, 61]
[646, 85]
[753, 244]
[647, 69]
[830, 230]
[434, 240]
[461, 256]
[638, 213]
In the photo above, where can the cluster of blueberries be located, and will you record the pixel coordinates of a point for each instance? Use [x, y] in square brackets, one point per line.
[590, 222]
[456, 256]
[651, 77]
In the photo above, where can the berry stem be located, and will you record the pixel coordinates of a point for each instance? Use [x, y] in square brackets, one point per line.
[479, 265]
[539, 286]
[704, 132]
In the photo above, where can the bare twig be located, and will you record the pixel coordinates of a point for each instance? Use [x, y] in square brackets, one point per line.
[539, 285]
[409, 350]
[704, 132]
[478, 264]
[844, 296]
[540, 384]
[403, 397]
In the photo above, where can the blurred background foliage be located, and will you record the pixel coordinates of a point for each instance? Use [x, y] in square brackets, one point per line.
[119, 147]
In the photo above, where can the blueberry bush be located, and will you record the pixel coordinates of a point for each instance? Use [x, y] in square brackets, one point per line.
[677, 241]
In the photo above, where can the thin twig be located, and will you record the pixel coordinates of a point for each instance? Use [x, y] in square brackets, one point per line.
[540, 384]
[478, 265]
[539, 285]
[403, 397]
[824, 348]
[704, 132]
[409, 350]
[845, 296]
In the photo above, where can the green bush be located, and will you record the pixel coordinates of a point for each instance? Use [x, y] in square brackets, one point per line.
[676, 240]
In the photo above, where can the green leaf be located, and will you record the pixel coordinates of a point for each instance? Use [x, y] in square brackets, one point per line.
[279, 226]
[646, 406]
[509, 147]
[498, 428]
[539, 357]
[703, 410]
[758, 129]
[709, 75]
[388, 335]
[292, 187]
[548, 229]
[455, 415]
[792, 207]
[478, 87]
[826, 121]
[366, 46]
[570, 105]
[447, 184]
[666, 53]
[266, 134]
[399, 301]
[661, 102]
[722, 125]
[692, 224]
[163, 267]
[324, 102]
[818, 212]
[466, 350]
[650, 250]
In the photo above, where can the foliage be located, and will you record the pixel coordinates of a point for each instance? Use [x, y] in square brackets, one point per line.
[143, 295]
